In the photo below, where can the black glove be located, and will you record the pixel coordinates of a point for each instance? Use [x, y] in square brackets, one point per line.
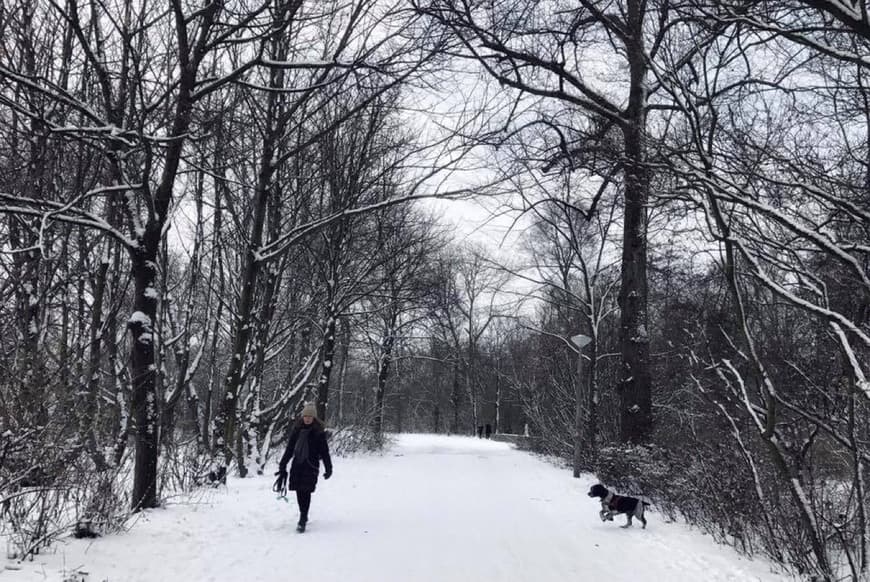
[280, 486]
[327, 474]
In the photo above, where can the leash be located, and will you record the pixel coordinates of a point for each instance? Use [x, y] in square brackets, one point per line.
[280, 486]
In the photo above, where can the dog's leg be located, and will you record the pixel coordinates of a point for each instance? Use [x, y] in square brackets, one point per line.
[627, 523]
[638, 513]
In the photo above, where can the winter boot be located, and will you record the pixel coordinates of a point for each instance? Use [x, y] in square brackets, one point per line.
[300, 527]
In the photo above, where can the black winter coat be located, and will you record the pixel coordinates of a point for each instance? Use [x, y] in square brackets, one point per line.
[304, 472]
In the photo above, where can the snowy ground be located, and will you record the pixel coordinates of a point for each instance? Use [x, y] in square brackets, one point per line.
[433, 508]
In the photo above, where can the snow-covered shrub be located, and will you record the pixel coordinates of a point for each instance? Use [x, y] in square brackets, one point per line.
[50, 490]
[33, 486]
[184, 466]
[354, 439]
[705, 491]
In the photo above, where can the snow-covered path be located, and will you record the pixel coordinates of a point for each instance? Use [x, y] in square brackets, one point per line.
[445, 509]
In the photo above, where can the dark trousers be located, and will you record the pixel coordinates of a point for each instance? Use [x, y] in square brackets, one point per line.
[303, 498]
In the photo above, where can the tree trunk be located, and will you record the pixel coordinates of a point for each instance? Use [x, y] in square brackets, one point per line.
[250, 414]
[117, 380]
[225, 424]
[144, 257]
[217, 266]
[143, 371]
[497, 426]
[90, 397]
[592, 402]
[345, 351]
[859, 484]
[578, 415]
[383, 372]
[455, 399]
[635, 387]
[328, 360]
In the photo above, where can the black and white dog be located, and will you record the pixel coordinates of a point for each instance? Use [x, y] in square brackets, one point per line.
[614, 504]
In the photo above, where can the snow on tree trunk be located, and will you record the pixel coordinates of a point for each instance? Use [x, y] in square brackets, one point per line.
[326, 366]
[249, 428]
[143, 372]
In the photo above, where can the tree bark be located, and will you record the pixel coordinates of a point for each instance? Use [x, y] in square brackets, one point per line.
[455, 399]
[327, 364]
[143, 371]
[91, 396]
[592, 402]
[635, 388]
[383, 371]
[345, 351]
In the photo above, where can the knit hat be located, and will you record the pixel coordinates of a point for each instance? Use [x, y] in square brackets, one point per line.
[310, 409]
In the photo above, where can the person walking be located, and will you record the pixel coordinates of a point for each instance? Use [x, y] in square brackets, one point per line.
[307, 447]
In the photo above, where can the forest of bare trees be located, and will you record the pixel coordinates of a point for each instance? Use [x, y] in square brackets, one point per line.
[213, 211]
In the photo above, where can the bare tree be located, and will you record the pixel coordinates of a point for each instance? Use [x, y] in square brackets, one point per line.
[576, 281]
[541, 50]
[407, 243]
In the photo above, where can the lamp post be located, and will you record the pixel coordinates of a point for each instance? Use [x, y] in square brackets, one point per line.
[580, 341]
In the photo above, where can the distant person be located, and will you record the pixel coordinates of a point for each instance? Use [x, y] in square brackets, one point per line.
[488, 430]
[480, 431]
[307, 447]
